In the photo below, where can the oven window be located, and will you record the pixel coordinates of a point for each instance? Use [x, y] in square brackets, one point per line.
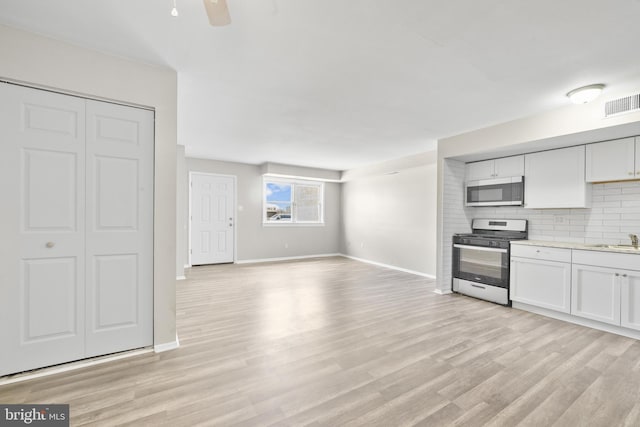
[486, 194]
[481, 263]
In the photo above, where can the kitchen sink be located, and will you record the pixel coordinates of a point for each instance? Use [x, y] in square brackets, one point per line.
[621, 247]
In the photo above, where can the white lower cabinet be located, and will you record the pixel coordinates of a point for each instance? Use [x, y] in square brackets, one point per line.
[541, 283]
[606, 287]
[630, 299]
[594, 285]
[596, 293]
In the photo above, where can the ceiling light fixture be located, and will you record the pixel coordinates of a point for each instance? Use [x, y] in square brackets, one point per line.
[174, 11]
[585, 94]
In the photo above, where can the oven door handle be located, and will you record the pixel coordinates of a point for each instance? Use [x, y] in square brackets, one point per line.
[480, 248]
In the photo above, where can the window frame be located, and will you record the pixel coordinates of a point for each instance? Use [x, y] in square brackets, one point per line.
[294, 221]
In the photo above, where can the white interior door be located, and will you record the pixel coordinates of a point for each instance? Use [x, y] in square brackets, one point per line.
[42, 261]
[119, 228]
[212, 218]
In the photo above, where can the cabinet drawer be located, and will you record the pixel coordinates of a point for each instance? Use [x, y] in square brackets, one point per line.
[607, 259]
[541, 252]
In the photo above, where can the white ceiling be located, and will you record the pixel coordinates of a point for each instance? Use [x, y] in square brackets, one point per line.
[346, 83]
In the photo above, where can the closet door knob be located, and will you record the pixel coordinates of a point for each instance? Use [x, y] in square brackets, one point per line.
[50, 245]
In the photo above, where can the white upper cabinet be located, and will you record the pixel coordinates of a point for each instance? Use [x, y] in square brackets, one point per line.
[496, 168]
[509, 166]
[613, 160]
[480, 170]
[556, 179]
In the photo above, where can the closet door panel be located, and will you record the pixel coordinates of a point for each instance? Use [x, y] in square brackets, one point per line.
[119, 238]
[42, 259]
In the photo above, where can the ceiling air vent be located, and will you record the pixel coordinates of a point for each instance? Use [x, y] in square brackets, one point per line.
[622, 105]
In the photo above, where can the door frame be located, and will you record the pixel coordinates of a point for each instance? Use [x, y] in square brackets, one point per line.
[235, 210]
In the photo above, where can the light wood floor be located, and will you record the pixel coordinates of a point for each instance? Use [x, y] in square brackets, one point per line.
[335, 342]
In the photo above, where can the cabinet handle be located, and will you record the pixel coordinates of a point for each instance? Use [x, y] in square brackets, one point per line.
[624, 275]
[617, 274]
[631, 173]
[50, 245]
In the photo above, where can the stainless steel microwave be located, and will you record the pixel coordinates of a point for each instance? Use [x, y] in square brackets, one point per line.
[495, 192]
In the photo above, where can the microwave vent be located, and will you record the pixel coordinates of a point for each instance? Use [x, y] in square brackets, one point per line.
[627, 104]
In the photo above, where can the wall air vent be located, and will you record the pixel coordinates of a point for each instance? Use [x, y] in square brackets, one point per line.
[627, 104]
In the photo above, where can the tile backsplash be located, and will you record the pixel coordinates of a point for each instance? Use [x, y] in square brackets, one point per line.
[614, 213]
[456, 218]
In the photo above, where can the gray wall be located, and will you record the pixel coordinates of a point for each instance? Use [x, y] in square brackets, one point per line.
[182, 212]
[255, 241]
[390, 217]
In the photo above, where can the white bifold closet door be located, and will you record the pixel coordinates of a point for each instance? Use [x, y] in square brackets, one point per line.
[119, 228]
[76, 185]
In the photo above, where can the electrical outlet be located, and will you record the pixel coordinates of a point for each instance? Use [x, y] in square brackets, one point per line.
[361, 245]
[286, 246]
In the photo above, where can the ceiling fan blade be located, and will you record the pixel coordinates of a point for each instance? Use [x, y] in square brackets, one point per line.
[218, 12]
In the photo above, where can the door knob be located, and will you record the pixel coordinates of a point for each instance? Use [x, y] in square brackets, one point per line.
[50, 245]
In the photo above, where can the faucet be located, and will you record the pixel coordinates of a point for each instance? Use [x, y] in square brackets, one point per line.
[634, 240]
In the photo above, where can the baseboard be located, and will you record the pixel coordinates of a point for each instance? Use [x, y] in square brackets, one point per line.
[443, 291]
[187, 266]
[181, 278]
[392, 267]
[289, 258]
[71, 366]
[618, 330]
[159, 348]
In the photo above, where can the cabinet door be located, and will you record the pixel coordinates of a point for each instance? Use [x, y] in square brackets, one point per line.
[610, 160]
[541, 283]
[480, 170]
[555, 179]
[509, 166]
[595, 293]
[637, 156]
[630, 299]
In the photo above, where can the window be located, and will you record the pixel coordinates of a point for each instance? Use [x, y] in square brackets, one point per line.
[293, 202]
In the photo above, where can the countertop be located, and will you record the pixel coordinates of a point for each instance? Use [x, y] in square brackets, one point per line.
[570, 245]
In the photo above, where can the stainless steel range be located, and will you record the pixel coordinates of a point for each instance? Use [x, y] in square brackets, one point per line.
[481, 259]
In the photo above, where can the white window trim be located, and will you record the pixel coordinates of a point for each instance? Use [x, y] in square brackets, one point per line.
[293, 223]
